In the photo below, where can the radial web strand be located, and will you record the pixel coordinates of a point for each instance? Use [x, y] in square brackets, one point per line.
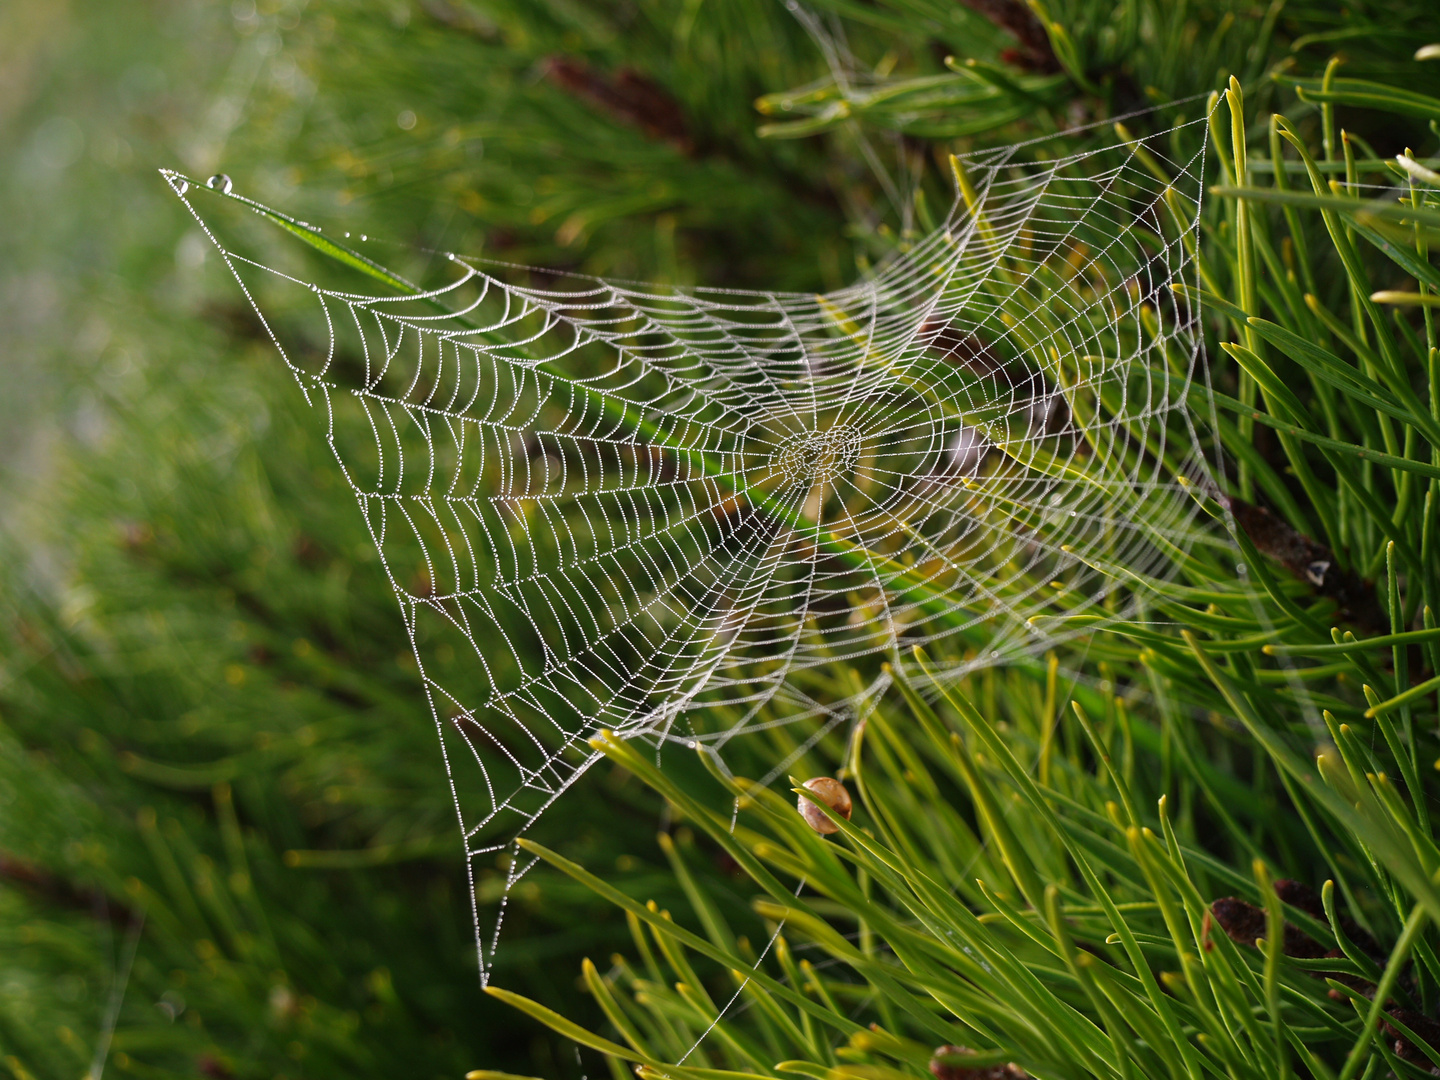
[653, 510]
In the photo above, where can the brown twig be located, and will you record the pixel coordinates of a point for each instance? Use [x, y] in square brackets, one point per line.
[1033, 52]
[56, 890]
[1310, 561]
[628, 96]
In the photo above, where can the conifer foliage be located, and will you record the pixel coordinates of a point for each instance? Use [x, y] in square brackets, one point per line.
[226, 847]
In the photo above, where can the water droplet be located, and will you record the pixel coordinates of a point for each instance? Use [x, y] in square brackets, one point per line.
[1240, 569]
[219, 182]
[347, 236]
[180, 186]
[364, 237]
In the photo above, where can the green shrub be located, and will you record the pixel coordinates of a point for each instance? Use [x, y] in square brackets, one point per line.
[227, 847]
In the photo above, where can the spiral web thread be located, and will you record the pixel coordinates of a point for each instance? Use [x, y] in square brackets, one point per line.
[613, 506]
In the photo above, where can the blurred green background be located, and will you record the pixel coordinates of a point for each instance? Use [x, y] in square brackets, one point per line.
[208, 712]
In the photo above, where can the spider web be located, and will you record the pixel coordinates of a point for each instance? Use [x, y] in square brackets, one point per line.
[652, 510]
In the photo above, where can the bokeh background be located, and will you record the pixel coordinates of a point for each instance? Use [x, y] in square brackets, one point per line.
[226, 845]
[208, 711]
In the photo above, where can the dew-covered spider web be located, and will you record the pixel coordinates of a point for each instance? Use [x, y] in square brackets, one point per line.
[654, 510]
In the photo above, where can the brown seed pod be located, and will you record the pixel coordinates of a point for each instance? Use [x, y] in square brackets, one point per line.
[946, 1064]
[1422, 1025]
[833, 794]
[1245, 922]
[1242, 921]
